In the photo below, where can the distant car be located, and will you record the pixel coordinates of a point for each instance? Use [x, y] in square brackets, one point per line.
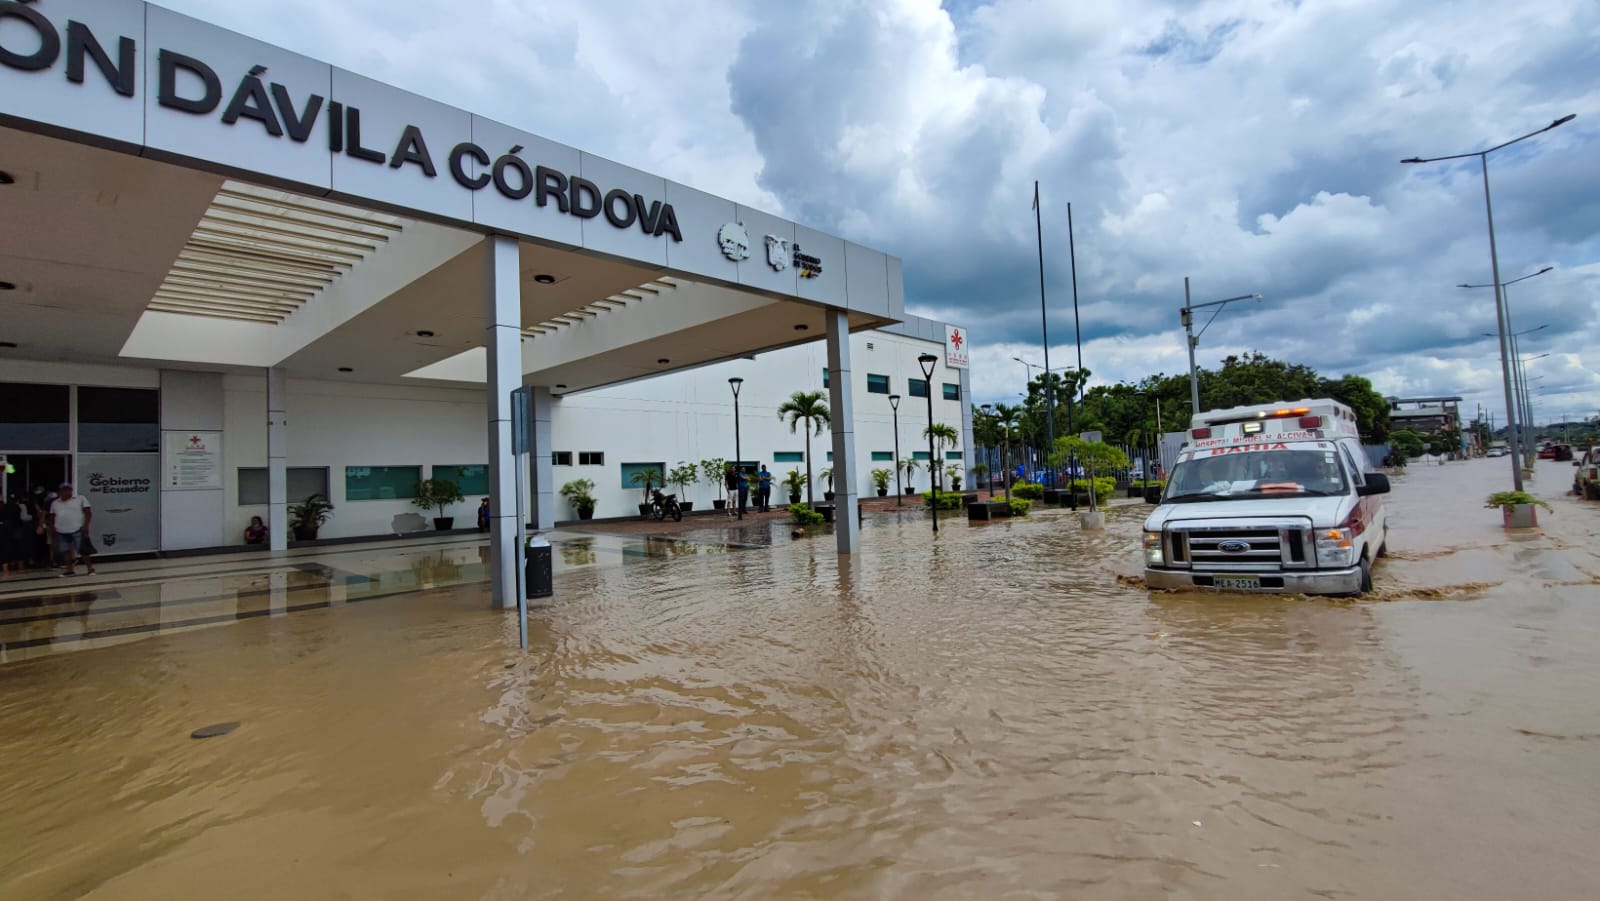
[1558, 452]
[1586, 479]
[1495, 452]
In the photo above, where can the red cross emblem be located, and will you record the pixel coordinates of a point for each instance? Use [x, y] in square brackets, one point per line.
[194, 441]
[955, 338]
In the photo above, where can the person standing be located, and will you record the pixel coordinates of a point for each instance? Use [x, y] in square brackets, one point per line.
[764, 490]
[13, 540]
[744, 490]
[730, 480]
[69, 521]
[483, 516]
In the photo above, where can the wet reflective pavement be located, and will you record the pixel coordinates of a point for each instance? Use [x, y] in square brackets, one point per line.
[997, 713]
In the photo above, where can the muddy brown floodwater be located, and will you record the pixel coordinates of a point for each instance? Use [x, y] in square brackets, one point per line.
[991, 714]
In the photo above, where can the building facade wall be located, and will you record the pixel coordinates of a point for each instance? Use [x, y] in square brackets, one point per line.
[680, 417]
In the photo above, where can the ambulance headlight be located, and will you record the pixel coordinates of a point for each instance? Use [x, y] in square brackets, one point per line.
[1152, 549]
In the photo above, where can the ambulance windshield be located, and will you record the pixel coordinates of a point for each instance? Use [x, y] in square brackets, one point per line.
[1228, 474]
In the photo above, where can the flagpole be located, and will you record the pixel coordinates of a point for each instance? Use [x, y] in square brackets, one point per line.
[1044, 331]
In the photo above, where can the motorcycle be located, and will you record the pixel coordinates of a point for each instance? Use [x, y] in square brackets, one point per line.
[665, 505]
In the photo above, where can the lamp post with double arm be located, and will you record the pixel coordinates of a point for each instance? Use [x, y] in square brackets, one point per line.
[1502, 324]
[1518, 386]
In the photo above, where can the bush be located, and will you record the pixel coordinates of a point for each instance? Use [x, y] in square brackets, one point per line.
[1020, 506]
[1104, 487]
[804, 515]
[947, 500]
[1511, 498]
[1030, 490]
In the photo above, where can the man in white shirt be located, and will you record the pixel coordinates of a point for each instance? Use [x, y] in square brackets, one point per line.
[69, 521]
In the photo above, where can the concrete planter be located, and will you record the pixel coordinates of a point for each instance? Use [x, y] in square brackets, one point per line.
[988, 510]
[1520, 516]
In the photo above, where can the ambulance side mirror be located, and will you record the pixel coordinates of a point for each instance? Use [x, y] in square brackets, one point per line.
[1377, 483]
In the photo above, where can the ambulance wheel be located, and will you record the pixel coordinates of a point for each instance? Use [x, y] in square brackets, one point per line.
[1366, 576]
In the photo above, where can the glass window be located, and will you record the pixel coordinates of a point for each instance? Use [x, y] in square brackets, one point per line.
[883, 456]
[381, 483]
[561, 458]
[952, 392]
[920, 455]
[917, 387]
[788, 457]
[33, 417]
[471, 479]
[591, 458]
[830, 456]
[954, 455]
[825, 378]
[629, 470]
[877, 384]
[302, 482]
[118, 420]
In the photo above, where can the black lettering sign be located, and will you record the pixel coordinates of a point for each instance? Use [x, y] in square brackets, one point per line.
[250, 101]
[81, 41]
[352, 127]
[412, 149]
[167, 93]
[299, 125]
[49, 42]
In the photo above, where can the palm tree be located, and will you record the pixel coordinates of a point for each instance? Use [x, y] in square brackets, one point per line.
[807, 407]
[1008, 418]
[942, 434]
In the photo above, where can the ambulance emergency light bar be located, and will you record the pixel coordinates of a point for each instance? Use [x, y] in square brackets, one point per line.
[1255, 424]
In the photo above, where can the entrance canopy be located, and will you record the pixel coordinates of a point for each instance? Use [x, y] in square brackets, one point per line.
[181, 194]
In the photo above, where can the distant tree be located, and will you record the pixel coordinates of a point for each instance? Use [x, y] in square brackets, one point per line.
[1256, 378]
[808, 407]
[1371, 409]
[1407, 444]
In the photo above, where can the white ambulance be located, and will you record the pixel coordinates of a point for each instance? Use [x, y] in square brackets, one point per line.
[1274, 498]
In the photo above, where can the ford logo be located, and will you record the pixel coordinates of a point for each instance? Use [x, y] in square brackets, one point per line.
[1233, 547]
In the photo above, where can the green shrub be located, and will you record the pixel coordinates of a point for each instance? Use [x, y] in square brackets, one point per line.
[804, 515]
[947, 500]
[1030, 490]
[1020, 506]
[1104, 487]
[1511, 498]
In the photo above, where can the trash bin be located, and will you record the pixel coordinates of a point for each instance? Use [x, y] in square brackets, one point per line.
[536, 572]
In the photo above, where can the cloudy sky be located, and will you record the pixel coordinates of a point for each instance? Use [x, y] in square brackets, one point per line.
[1252, 145]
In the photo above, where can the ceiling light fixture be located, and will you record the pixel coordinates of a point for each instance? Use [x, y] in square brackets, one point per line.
[545, 279]
[663, 361]
[7, 286]
[561, 387]
[424, 333]
[802, 327]
[6, 178]
[8, 345]
[346, 369]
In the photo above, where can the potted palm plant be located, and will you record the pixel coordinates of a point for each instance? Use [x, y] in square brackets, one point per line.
[979, 470]
[880, 480]
[578, 493]
[910, 466]
[953, 474]
[827, 476]
[306, 517]
[795, 480]
[683, 475]
[649, 477]
[1517, 508]
[436, 494]
[713, 471]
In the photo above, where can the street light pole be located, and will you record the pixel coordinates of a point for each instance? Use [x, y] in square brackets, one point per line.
[899, 492]
[1187, 316]
[929, 361]
[1501, 319]
[1519, 388]
[738, 452]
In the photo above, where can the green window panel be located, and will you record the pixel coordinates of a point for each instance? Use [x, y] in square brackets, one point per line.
[825, 378]
[381, 483]
[919, 455]
[953, 455]
[883, 456]
[471, 479]
[877, 384]
[788, 457]
[630, 469]
[952, 392]
[917, 387]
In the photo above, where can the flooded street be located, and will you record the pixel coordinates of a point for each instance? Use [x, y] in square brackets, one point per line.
[1000, 712]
